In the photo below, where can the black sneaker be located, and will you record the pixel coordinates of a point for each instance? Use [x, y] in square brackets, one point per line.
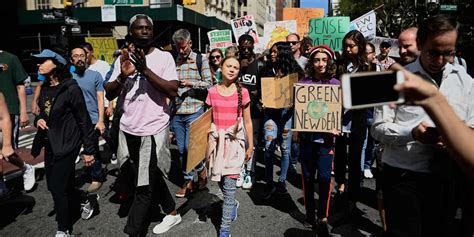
[89, 206]
[268, 191]
[281, 187]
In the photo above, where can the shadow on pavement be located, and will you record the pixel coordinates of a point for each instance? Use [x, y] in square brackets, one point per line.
[15, 206]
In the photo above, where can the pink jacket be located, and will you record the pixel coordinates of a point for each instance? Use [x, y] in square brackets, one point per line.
[226, 150]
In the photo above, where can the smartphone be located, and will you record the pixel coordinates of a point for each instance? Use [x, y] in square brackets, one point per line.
[369, 89]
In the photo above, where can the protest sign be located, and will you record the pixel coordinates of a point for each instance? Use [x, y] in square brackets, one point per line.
[220, 39]
[302, 17]
[318, 108]
[393, 50]
[277, 31]
[244, 25]
[329, 31]
[277, 93]
[104, 47]
[366, 24]
[198, 134]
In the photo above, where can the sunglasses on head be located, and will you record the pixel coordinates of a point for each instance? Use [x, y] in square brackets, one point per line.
[214, 57]
[293, 42]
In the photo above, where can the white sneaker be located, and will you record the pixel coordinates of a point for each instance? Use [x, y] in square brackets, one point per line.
[62, 234]
[113, 160]
[368, 174]
[78, 158]
[168, 222]
[247, 182]
[240, 180]
[28, 177]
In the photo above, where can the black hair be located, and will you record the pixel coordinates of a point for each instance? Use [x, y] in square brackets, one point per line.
[88, 46]
[285, 63]
[434, 26]
[77, 46]
[246, 37]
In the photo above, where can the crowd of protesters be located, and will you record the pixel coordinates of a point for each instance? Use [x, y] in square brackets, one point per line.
[424, 163]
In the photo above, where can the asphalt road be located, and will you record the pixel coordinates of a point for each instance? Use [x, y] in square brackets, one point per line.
[31, 214]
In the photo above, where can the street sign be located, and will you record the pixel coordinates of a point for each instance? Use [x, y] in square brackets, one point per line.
[47, 16]
[76, 29]
[448, 7]
[123, 2]
[71, 21]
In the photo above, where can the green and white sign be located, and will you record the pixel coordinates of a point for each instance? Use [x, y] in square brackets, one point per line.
[123, 2]
[220, 39]
[329, 31]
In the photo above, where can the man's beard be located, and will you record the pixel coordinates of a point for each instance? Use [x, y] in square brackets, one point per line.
[80, 70]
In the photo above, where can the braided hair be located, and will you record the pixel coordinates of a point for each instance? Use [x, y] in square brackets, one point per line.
[239, 89]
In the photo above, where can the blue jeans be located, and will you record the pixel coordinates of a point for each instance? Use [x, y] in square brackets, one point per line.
[180, 125]
[277, 127]
[316, 156]
[367, 157]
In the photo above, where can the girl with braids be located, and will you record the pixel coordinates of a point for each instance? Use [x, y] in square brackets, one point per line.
[278, 122]
[231, 131]
[317, 149]
[354, 59]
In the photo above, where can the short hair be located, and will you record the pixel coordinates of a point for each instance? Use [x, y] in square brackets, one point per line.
[372, 46]
[181, 35]
[139, 16]
[88, 46]
[434, 26]
[232, 49]
[245, 37]
[295, 34]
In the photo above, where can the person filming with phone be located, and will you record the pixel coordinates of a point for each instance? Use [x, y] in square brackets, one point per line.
[417, 167]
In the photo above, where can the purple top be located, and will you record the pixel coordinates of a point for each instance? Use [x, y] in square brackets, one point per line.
[309, 80]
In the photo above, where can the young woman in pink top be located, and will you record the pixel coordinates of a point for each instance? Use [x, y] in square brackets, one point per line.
[230, 138]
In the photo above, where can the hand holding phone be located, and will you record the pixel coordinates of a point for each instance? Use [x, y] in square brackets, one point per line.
[369, 89]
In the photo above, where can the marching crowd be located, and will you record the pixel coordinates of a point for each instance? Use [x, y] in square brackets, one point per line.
[424, 162]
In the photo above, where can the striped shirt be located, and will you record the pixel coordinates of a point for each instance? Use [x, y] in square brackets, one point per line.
[189, 71]
[224, 108]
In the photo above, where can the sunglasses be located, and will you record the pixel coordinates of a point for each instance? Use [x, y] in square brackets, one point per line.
[293, 42]
[214, 57]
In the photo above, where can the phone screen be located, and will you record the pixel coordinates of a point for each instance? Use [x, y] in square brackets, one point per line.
[373, 89]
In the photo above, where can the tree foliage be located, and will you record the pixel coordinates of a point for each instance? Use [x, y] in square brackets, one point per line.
[392, 16]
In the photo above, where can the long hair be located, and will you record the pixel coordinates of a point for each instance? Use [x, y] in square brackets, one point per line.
[238, 86]
[330, 67]
[360, 60]
[285, 62]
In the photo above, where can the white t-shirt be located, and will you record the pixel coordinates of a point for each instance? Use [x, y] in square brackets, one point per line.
[103, 68]
[146, 110]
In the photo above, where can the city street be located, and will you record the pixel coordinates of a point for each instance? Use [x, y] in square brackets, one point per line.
[31, 214]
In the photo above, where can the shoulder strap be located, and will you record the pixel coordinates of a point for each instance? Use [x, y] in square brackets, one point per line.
[199, 63]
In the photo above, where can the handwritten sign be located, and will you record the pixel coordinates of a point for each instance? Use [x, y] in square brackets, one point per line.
[277, 31]
[318, 108]
[329, 31]
[220, 39]
[302, 16]
[104, 47]
[244, 25]
[198, 132]
[277, 93]
[366, 24]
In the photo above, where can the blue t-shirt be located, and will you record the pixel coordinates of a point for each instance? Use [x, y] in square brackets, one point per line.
[90, 83]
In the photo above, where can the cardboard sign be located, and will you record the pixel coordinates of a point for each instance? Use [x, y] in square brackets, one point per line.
[366, 24]
[318, 108]
[220, 39]
[277, 31]
[244, 25]
[393, 50]
[302, 16]
[104, 47]
[277, 93]
[198, 133]
[329, 31]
